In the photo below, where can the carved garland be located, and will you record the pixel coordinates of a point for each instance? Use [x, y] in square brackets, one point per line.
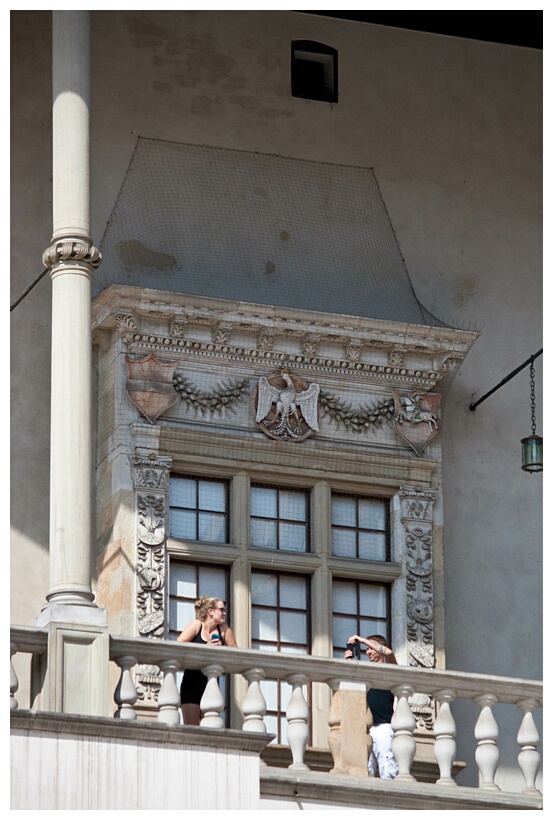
[220, 400]
[356, 419]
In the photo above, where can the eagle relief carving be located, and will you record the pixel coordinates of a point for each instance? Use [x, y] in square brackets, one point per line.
[286, 407]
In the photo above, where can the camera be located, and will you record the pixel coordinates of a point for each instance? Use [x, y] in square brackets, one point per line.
[355, 648]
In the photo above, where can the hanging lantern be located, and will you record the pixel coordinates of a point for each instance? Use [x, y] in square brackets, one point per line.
[532, 446]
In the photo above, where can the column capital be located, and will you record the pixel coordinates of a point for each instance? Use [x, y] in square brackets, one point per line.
[417, 504]
[70, 252]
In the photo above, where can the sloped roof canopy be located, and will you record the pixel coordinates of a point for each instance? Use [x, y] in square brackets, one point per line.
[257, 228]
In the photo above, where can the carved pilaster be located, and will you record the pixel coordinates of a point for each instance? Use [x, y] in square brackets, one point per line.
[417, 515]
[151, 483]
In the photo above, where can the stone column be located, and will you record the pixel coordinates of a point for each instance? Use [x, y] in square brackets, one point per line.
[71, 259]
[75, 670]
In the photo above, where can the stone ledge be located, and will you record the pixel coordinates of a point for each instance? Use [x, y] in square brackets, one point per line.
[28, 721]
[332, 791]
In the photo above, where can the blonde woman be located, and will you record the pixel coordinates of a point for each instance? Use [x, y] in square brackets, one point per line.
[208, 627]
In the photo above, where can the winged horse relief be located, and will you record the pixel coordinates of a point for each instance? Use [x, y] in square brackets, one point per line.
[295, 414]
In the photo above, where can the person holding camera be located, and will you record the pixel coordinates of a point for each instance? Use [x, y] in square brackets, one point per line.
[208, 627]
[381, 704]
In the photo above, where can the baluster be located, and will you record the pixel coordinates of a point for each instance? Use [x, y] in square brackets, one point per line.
[254, 705]
[14, 683]
[297, 715]
[486, 733]
[335, 723]
[528, 738]
[445, 747]
[403, 724]
[212, 703]
[168, 699]
[125, 693]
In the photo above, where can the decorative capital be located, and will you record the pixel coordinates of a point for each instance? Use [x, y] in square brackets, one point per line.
[151, 472]
[417, 504]
[67, 252]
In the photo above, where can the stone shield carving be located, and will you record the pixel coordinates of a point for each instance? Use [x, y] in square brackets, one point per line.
[286, 407]
[417, 417]
[150, 385]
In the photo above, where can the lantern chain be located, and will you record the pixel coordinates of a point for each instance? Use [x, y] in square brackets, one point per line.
[532, 399]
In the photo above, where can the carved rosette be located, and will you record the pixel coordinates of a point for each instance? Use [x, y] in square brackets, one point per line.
[417, 508]
[151, 483]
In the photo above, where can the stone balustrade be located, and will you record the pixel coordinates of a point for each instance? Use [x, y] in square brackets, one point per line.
[255, 666]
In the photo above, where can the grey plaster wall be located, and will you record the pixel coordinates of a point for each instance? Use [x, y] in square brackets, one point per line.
[452, 129]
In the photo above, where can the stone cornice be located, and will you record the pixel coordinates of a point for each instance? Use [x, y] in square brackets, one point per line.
[192, 328]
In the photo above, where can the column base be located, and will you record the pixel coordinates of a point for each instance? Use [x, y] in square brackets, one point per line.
[72, 676]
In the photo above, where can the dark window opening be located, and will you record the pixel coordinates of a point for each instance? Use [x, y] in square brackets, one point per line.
[314, 71]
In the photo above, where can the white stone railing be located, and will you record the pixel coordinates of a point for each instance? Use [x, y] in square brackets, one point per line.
[255, 666]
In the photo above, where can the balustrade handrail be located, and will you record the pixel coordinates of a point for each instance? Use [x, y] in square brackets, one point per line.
[280, 665]
[29, 639]
[383, 676]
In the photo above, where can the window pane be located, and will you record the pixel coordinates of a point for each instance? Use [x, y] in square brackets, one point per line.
[293, 650]
[263, 533]
[180, 613]
[182, 581]
[344, 596]
[293, 627]
[212, 496]
[372, 600]
[211, 527]
[264, 588]
[284, 727]
[292, 537]
[212, 582]
[264, 624]
[344, 511]
[372, 514]
[372, 546]
[293, 505]
[343, 628]
[263, 502]
[344, 543]
[293, 592]
[183, 492]
[282, 506]
[373, 626]
[270, 693]
[359, 608]
[271, 722]
[198, 509]
[183, 524]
